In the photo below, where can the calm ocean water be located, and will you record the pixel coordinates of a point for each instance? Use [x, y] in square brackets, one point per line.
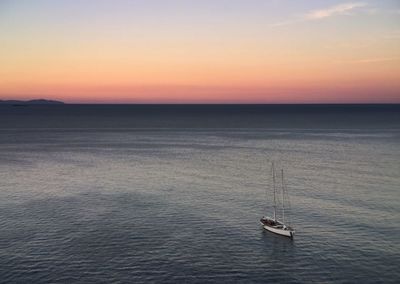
[171, 194]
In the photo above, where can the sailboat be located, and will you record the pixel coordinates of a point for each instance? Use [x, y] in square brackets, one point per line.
[273, 224]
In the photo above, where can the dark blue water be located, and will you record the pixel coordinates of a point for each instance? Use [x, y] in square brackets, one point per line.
[172, 194]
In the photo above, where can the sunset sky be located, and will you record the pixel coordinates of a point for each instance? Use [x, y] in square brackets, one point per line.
[200, 51]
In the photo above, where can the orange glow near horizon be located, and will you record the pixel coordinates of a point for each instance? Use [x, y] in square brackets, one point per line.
[205, 58]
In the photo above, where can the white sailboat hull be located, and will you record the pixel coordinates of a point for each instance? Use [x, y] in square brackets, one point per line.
[277, 227]
[282, 232]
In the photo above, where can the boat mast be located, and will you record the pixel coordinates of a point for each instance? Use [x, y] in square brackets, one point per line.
[273, 181]
[283, 203]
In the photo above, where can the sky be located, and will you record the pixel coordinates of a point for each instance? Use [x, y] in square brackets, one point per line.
[200, 51]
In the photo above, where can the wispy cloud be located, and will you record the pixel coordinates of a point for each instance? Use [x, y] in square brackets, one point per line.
[392, 35]
[376, 60]
[341, 9]
[338, 10]
[370, 60]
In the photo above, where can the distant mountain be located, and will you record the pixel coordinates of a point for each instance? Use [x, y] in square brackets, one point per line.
[31, 102]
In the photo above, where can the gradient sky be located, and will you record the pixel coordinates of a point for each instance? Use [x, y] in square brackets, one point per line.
[200, 51]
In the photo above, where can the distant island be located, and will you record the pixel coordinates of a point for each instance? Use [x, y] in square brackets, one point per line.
[31, 102]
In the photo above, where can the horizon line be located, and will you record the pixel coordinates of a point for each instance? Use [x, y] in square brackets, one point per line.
[59, 102]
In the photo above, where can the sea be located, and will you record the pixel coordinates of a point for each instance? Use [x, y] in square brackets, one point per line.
[174, 193]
